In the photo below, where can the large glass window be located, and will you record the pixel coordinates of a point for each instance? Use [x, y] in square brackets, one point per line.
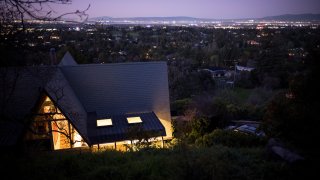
[50, 124]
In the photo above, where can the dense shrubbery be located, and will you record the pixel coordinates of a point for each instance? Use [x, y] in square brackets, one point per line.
[205, 113]
[178, 107]
[293, 115]
[188, 82]
[231, 139]
[217, 162]
[207, 117]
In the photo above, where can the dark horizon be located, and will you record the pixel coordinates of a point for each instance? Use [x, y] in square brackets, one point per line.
[210, 9]
[182, 16]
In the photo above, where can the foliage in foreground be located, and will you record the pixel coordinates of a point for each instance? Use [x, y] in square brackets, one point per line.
[230, 139]
[181, 162]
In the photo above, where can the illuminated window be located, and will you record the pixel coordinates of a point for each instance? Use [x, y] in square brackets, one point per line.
[104, 122]
[47, 109]
[134, 120]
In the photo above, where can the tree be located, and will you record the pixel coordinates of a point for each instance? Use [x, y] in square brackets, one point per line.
[13, 25]
[18, 10]
[293, 115]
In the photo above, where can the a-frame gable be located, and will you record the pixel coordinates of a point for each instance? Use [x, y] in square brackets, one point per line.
[61, 93]
[50, 126]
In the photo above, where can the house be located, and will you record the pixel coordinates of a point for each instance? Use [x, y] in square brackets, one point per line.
[218, 72]
[71, 105]
[222, 76]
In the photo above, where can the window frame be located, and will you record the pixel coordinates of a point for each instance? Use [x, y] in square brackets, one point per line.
[135, 120]
[104, 122]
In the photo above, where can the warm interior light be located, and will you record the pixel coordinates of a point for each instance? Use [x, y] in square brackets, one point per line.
[104, 122]
[132, 120]
[46, 109]
[47, 99]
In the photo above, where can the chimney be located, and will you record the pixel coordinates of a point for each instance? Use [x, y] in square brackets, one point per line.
[53, 57]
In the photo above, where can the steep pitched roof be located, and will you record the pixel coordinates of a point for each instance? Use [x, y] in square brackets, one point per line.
[113, 89]
[67, 60]
[120, 88]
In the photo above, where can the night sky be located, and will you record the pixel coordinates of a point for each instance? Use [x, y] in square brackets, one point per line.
[193, 8]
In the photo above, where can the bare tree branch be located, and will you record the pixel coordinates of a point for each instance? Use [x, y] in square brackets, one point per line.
[35, 10]
[13, 14]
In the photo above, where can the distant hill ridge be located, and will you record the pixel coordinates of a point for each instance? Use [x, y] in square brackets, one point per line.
[173, 18]
[285, 17]
[295, 17]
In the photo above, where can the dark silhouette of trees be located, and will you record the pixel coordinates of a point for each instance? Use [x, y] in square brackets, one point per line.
[293, 115]
[19, 10]
[13, 25]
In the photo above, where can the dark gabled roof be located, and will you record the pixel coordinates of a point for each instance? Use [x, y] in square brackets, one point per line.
[120, 129]
[67, 60]
[121, 88]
